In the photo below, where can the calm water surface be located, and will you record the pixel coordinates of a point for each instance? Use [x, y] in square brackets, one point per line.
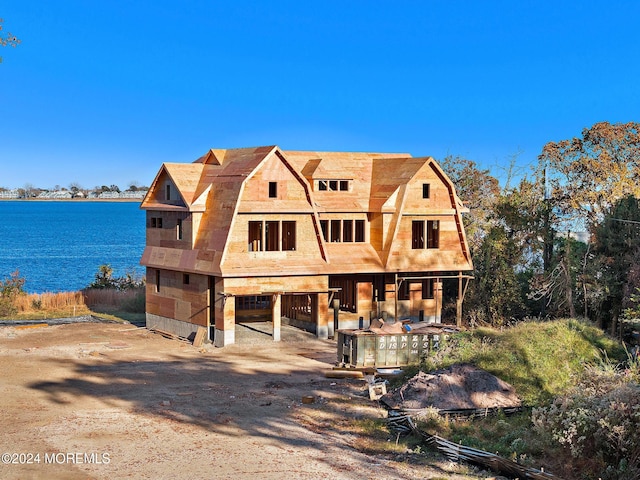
[58, 246]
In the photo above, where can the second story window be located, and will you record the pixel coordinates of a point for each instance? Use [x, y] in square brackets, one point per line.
[156, 222]
[273, 189]
[271, 236]
[422, 237]
[348, 231]
[288, 235]
[336, 231]
[433, 234]
[168, 190]
[179, 229]
[426, 190]
[255, 236]
[417, 234]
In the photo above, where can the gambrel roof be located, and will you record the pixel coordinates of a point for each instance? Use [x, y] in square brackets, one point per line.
[214, 185]
[376, 177]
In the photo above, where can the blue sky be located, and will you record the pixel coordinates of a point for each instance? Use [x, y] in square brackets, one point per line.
[103, 92]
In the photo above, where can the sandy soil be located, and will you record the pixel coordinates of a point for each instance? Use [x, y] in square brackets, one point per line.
[454, 388]
[112, 401]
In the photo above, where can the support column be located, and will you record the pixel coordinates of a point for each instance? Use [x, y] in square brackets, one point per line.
[276, 315]
[437, 292]
[225, 318]
[319, 312]
[459, 302]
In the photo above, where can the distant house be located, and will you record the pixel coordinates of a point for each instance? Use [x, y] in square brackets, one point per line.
[9, 194]
[262, 233]
[56, 194]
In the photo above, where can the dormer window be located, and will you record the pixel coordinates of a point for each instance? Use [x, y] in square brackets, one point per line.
[333, 185]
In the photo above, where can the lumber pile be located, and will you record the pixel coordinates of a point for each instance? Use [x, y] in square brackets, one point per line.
[403, 424]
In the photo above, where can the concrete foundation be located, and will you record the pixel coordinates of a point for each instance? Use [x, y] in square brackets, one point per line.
[182, 329]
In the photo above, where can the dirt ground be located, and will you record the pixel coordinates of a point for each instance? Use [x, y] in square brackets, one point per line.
[114, 401]
[454, 388]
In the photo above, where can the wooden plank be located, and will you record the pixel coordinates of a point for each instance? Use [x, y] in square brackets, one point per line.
[169, 335]
[199, 338]
[34, 325]
[344, 374]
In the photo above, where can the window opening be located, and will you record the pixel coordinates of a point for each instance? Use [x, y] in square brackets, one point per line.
[288, 235]
[417, 234]
[403, 291]
[348, 293]
[433, 236]
[324, 225]
[360, 231]
[347, 231]
[272, 236]
[336, 231]
[255, 236]
[427, 289]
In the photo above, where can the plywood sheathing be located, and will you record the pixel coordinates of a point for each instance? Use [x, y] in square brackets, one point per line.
[382, 187]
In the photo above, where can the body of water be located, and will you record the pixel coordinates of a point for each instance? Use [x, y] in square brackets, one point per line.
[58, 246]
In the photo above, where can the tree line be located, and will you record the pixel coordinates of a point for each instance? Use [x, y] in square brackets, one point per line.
[528, 257]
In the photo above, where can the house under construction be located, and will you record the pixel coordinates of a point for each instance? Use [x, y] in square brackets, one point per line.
[263, 233]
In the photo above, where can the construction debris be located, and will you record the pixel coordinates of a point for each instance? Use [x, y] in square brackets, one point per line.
[457, 388]
[201, 332]
[403, 424]
[168, 335]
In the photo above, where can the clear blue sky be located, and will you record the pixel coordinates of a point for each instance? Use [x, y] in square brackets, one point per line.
[103, 92]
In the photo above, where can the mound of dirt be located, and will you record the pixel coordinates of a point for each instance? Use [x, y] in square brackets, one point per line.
[454, 388]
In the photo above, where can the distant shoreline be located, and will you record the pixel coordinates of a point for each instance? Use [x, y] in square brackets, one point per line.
[139, 200]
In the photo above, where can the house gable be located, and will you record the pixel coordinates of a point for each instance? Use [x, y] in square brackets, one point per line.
[174, 187]
[434, 206]
[276, 202]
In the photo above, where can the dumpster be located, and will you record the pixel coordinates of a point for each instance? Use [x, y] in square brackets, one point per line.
[364, 348]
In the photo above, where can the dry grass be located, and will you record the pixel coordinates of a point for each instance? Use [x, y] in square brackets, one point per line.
[43, 305]
[71, 304]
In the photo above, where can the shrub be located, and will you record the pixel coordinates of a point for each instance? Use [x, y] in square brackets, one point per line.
[597, 423]
[10, 289]
[104, 279]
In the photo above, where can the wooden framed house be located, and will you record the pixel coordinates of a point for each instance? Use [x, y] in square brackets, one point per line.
[321, 240]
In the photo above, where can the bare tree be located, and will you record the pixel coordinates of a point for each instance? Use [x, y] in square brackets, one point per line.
[8, 39]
